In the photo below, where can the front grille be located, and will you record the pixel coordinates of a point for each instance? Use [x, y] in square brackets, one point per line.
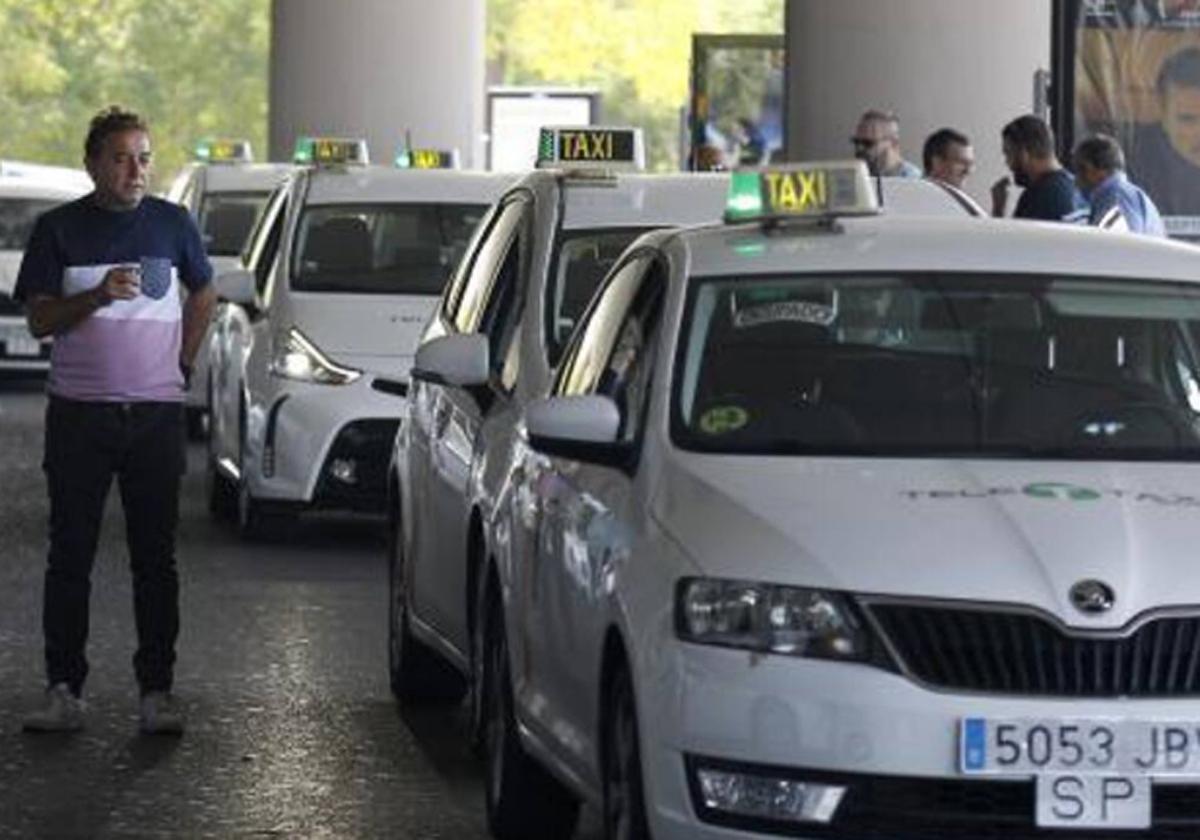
[905, 808]
[1016, 653]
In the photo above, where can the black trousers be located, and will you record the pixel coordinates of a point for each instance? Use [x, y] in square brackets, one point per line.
[87, 445]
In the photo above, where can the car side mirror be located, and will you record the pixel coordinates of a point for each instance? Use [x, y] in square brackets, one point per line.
[237, 287]
[583, 428]
[461, 360]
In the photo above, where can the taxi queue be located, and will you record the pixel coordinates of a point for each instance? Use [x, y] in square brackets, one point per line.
[785, 502]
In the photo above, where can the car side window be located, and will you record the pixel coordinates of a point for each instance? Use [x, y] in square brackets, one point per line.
[613, 354]
[270, 247]
[462, 270]
[496, 258]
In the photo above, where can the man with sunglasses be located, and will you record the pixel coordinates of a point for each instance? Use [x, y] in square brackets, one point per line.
[876, 142]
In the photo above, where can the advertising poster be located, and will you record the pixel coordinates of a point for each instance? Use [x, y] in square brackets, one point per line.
[1137, 77]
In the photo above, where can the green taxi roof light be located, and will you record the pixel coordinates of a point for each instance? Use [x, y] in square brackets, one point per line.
[807, 190]
[222, 150]
[330, 151]
[745, 196]
[591, 147]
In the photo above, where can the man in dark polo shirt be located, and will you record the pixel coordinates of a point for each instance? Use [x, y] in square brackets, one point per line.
[103, 275]
[1050, 193]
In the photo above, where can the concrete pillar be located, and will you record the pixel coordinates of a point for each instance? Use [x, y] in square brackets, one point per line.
[967, 64]
[376, 68]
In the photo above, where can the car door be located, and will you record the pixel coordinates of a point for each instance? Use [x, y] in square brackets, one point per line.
[487, 305]
[583, 512]
[235, 329]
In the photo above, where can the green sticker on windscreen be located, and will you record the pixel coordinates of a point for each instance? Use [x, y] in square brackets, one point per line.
[723, 419]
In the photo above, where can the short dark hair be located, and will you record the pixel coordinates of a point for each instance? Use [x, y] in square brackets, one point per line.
[1100, 151]
[1182, 68]
[1031, 134]
[938, 143]
[111, 120]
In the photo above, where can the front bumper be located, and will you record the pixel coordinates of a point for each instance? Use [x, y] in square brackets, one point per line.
[326, 447]
[19, 351]
[891, 743]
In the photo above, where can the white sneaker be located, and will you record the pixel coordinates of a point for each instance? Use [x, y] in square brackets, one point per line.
[63, 712]
[159, 715]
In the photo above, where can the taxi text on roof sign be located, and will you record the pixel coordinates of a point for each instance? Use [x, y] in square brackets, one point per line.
[597, 147]
[223, 150]
[841, 188]
[427, 159]
[330, 151]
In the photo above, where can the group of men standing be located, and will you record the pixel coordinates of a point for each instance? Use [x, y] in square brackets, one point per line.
[1050, 192]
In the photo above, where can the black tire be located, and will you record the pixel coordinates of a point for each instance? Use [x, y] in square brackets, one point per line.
[417, 673]
[524, 801]
[624, 791]
[222, 492]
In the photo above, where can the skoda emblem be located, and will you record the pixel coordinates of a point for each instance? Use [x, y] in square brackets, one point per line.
[1092, 596]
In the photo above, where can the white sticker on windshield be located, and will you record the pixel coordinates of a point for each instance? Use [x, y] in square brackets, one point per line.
[800, 311]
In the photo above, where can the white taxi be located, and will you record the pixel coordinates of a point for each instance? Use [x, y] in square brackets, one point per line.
[841, 524]
[26, 191]
[493, 345]
[225, 191]
[304, 403]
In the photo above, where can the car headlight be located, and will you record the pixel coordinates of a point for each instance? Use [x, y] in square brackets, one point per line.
[296, 357]
[772, 619]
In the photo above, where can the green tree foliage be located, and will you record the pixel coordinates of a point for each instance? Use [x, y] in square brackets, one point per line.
[192, 69]
[637, 52]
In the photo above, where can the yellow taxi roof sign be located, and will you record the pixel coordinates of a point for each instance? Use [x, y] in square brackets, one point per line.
[591, 147]
[223, 150]
[427, 158]
[330, 151]
[805, 190]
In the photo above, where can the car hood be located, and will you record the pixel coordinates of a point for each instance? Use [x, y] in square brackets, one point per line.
[376, 333]
[1001, 531]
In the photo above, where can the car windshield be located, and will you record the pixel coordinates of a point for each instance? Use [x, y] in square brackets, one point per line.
[940, 365]
[581, 261]
[17, 216]
[226, 219]
[381, 249]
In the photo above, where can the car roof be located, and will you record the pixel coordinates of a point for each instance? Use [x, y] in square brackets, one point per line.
[381, 184]
[914, 243]
[244, 177]
[22, 187]
[633, 200]
[67, 181]
[923, 197]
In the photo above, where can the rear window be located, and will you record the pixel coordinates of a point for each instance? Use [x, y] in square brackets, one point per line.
[226, 219]
[381, 249]
[17, 216]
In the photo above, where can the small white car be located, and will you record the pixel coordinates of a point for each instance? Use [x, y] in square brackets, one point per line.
[838, 524]
[226, 192]
[26, 191]
[350, 260]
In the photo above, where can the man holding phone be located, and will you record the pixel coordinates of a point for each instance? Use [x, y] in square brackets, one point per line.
[102, 275]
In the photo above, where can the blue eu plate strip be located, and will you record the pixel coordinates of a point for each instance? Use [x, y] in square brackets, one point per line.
[974, 744]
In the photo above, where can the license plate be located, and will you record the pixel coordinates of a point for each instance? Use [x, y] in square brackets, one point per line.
[19, 345]
[1024, 747]
[1093, 802]
[1091, 773]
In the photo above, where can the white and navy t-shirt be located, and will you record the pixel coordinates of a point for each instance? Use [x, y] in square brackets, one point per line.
[127, 351]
